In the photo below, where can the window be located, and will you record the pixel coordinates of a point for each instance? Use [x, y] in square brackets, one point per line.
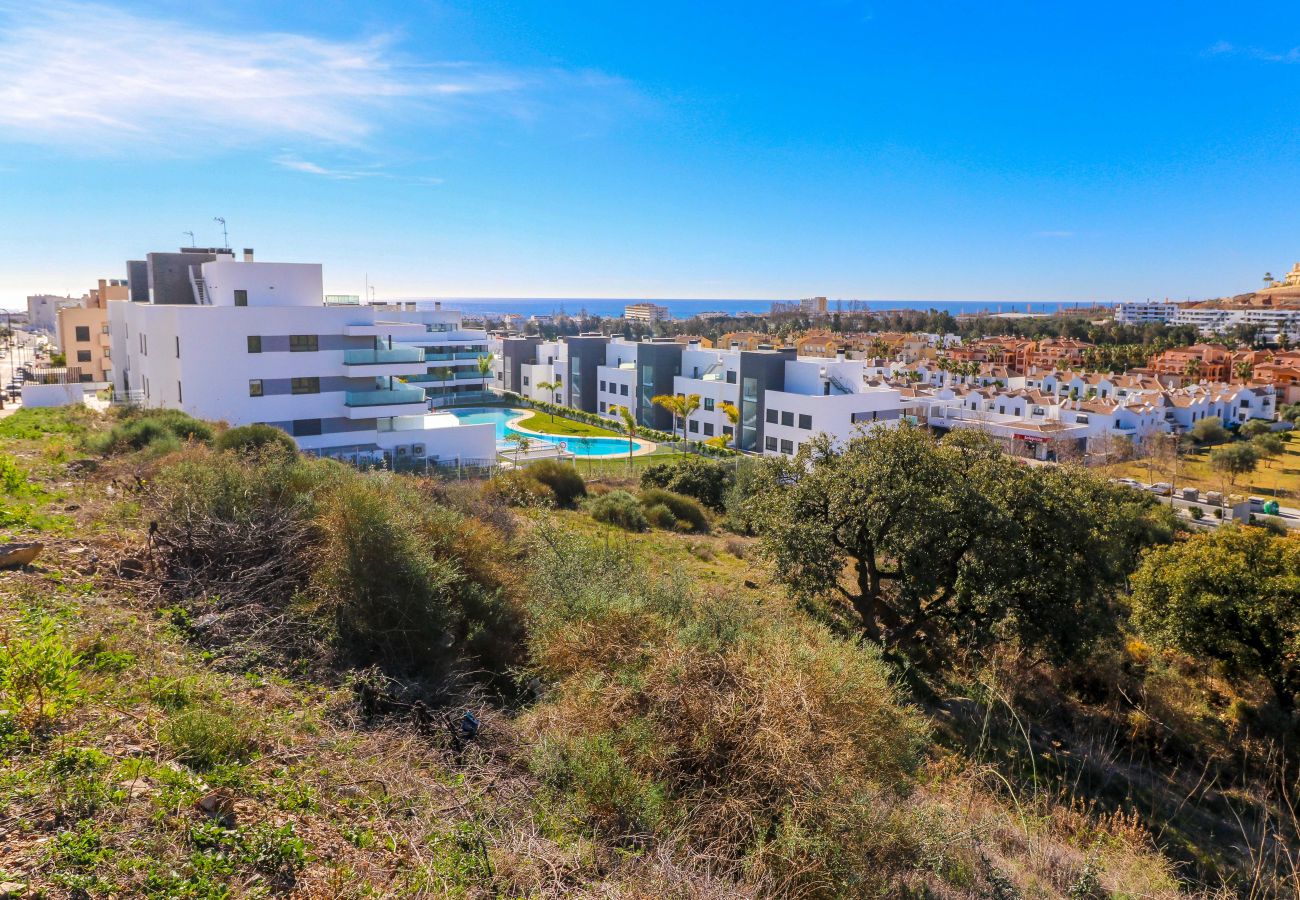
[305, 385]
[805, 422]
[695, 426]
[254, 343]
[602, 406]
[304, 343]
[728, 430]
[602, 385]
[180, 396]
[254, 387]
[708, 429]
[769, 443]
[83, 356]
[525, 381]
[241, 298]
[787, 418]
[144, 344]
[787, 447]
[178, 346]
[622, 389]
[306, 427]
[731, 376]
[83, 332]
[772, 416]
[708, 404]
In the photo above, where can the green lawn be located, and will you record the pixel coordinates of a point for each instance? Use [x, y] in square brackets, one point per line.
[540, 421]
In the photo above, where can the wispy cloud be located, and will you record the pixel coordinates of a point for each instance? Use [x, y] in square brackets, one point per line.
[100, 78]
[307, 167]
[1223, 48]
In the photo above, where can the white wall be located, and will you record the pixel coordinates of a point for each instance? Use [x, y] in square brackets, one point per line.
[268, 284]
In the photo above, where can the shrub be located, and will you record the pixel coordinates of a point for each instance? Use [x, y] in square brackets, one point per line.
[256, 437]
[203, 737]
[39, 678]
[30, 424]
[705, 480]
[563, 480]
[775, 749]
[618, 508]
[1197, 512]
[159, 430]
[688, 514]
[660, 516]
[409, 584]
[515, 488]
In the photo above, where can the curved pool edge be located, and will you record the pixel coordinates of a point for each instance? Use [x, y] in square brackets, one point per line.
[515, 413]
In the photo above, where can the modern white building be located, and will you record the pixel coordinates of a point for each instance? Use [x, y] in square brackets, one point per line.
[645, 312]
[1146, 312]
[1217, 318]
[256, 343]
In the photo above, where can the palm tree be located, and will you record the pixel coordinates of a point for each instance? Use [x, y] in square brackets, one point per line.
[1268, 279]
[732, 412]
[485, 364]
[629, 425]
[550, 387]
[1193, 369]
[673, 404]
[690, 404]
[1244, 369]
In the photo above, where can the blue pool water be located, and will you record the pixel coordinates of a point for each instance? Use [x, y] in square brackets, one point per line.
[502, 419]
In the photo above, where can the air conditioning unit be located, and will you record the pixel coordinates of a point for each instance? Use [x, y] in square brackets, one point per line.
[417, 450]
[403, 451]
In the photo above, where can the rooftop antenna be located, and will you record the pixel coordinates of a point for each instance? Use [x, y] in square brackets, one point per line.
[225, 238]
[191, 234]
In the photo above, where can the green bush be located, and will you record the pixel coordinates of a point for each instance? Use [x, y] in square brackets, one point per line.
[39, 677]
[563, 480]
[31, 424]
[516, 488]
[705, 480]
[203, 738]
[411, 585]
[660, 516]
[256, 437]
[158, 430]
[687, 514]
[618, 508]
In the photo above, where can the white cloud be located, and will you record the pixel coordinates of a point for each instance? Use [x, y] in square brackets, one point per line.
[1223, 48]
[307, 167]
[105, 80]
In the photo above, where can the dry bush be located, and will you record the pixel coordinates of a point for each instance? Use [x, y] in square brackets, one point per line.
[776, 751]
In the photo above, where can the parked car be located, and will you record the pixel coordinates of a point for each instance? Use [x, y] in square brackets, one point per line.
[1131, 482]
[1161, 488]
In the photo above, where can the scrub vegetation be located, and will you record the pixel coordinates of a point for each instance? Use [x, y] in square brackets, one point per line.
[905, 668]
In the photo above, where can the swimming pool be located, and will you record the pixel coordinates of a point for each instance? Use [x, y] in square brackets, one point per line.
[579, 446]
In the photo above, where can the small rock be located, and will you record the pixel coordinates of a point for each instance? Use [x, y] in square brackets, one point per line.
[220, 805]
[12, 889]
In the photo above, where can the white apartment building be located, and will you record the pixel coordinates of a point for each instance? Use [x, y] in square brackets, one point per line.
[1146, 312]
[258, 344]
[645, 312]
[1210, 319]
[43, 310]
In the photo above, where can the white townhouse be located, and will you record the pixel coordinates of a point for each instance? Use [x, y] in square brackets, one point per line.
[254, 342]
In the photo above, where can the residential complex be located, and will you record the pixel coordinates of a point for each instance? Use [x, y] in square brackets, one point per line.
[645, 312]
[43, 310]
[255, 342]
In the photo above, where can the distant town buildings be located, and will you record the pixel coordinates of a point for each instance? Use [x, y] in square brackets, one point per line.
[43, 310]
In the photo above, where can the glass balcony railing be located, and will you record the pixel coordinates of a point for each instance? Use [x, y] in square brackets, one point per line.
[442, 355]
[386, 355]
[385, 397]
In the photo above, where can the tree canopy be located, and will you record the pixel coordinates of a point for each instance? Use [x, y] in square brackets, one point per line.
[1232, 595]
[920, 537]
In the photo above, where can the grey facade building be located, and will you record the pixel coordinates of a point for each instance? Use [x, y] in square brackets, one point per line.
[516, 351]
[586, 355]
[658, 362]
[760, 371]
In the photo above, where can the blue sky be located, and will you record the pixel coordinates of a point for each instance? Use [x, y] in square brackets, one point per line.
[894, 150]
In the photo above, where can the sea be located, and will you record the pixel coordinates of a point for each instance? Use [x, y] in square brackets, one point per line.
[687, 308]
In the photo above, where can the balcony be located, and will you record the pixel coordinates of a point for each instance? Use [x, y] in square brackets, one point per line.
[382, 356]
[467, 355]
[385, 402]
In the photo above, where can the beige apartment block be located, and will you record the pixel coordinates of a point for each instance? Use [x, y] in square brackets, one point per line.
[81, 332]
